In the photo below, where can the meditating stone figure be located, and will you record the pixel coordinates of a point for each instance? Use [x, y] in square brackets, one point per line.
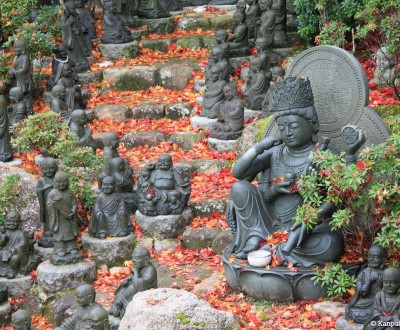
[58, 104]
[61, 205]
[111, 144]
[15, 256]
[81, 319]
[144, 277]
[79, 125]
[86, 18]
[21, 320]
[253, 14]
[114, 28]
[266, 25]
[219, 56]
[109, 217]
[120, 169]
[5, 146]
[19, 112]
[221, 36]
[214, 95]
[73, 38]
[49, 168]
[165, 187]
[369, 283]
[257, 84]
[153, 9]
[22, 74]
[256, 212]
[239, 40]
[386, 307]
[280, 38]
[386, 72]
[229, 125]
[65, 77]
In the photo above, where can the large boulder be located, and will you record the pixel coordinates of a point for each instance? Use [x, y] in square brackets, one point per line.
[115, 112]
[174, 309]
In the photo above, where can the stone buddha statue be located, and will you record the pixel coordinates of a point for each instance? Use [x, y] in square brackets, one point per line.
[229, 125]
[21, 320]
[16, 255]
[214, 94]
[152, 9]
[369, 283]
[221, 36]
[86, 18]
[265, 27]
[97, 319]
[239, 40]
[144, 277]
[115, 31]
[256, 212]
[79, 125]
[219, 55]
[58, 104]
[253, 14]
[280, 38]
[5, 145]
[20, 111]
[386, 72]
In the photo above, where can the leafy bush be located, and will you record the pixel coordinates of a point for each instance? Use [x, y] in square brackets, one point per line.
[10, 195]
[335, 278]
[13, 14]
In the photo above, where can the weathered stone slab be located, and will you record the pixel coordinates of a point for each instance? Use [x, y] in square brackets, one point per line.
[189, 42]
[174, 309]
[5, 314]
[17, 286]
[199, 238]
[208, 207]
[193, 23]
[44, 253]
[186, 140]
[184, 169]
[207, 284]
[165, 245]
[249, 113]
[221, 145]
[202, 122]
[161, 45]
[175, 76]
[115, 112]
[164, 226]
[52, 279]
[117, 51]
[343, 324]
[222, 241]
[132, 78]
[209, 42]
[331, 308]
[148, 110]
[90, 77]
[158, 25]
[135, 139]
[60, 307]
[138, 33]
[178, 110]
[112, 251]
[209, 165]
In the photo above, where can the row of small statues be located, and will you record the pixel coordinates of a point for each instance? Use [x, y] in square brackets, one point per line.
[92, 315]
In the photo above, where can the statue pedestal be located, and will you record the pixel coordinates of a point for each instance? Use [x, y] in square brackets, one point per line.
[164, 226]
[53, 279]
[112, 252]
[17, 286]
[202, 122]
[343, 324]
[222, 145]
[158, 25]
[44, 253]
[5, 314]
[117, 51]
[239, 52]
[275, 284]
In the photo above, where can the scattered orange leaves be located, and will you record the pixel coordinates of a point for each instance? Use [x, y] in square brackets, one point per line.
[108, 281]
[217, 220]
[277, 237]
[180, 33]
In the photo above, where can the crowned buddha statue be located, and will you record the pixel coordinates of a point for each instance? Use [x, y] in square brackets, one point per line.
[255, 212]
[115, 31]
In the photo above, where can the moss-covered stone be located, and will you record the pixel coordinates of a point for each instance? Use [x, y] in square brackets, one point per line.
[117, 51]
[209, 41]
[222, 21]
[194, 22]
[133, 78]
[387, 110]
[161, 45]
[158, 25]
[189, 42]
[261, 126]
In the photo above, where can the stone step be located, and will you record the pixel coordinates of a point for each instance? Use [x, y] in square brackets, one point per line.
[206, 21]
[191, 42]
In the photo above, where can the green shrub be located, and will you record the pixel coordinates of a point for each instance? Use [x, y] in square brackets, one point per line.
[335, 278]
[10, 195]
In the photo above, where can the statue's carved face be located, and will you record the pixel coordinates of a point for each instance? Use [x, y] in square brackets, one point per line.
[391, 281]
[108, 186]
[237, 18]
[164, 163]
[295, 131]
[15, 95]
[66, 70]
[265, 4]
[97, 321]
[375, 258]
[61, 183]
[139, 260]
[220, 37]
[260, 46]
[48, 168]
[83, 298]
[113, 142]
[13, 221]
[19, 49]
[228, 93]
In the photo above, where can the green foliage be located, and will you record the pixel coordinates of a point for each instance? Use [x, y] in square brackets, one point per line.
[386, 111]
[184, 320]
[5, 64]
[14, 14]
[48, 20]
[10, 190]
[335, 278]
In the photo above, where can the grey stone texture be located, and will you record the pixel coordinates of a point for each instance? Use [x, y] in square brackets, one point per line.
[331, 308]
[247, 139]
[208, 207]
[132, 78]
[17, 286]
[135, 139]
[207, 284]
[189, 42]
[44, 253]
[112, 251]
[115, 112]
[178, 110]
[199, 238]
[161, 45]
[186, 140]
[165, 244]
[164, 226]
[174, 310]
[158, 25]
[222, 241]
[117, 51]
[210, 165]
[221, 145]
[175, 76]
[202, 122]
[343, 324]
[52, 279]
[148, 110]
[60, 307]
[90, 77]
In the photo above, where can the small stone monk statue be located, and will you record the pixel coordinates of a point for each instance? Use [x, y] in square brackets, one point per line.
[221, 36]
[97, 319]
[144, 277]
[153, 9]
[79, 125]
[19, 112]
[386, 72]
[5, 145]
[239, 40]
[83, 317]
[115, 31]
[21, 320]
[109, 217]
[386, 309]
[111, 144]
[58, 104]
[49, 168]
[214, 94]
[61, 205]
[369, 283]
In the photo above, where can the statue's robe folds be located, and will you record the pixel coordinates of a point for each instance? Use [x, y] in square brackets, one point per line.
[241, 37]
[115, 31]
[60, 205]
[256, 89]
[253, 14]
[233, 116]
[17, 245]
[5, 146]
[384, 312]
[79, 320]
[109, 216]
[253, 215]
[44, 186]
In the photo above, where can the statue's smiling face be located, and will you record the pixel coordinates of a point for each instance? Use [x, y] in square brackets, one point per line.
[13, 220]
[295, 131]
[164, 163]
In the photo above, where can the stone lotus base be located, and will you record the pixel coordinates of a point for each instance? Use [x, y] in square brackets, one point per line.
[275, 284]
[117, 51]
[343, 324]
[112, 252]
[53, 279]
[221, 145]
[17, 286]
[164, 226]
[5, 314]
[158, 25]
